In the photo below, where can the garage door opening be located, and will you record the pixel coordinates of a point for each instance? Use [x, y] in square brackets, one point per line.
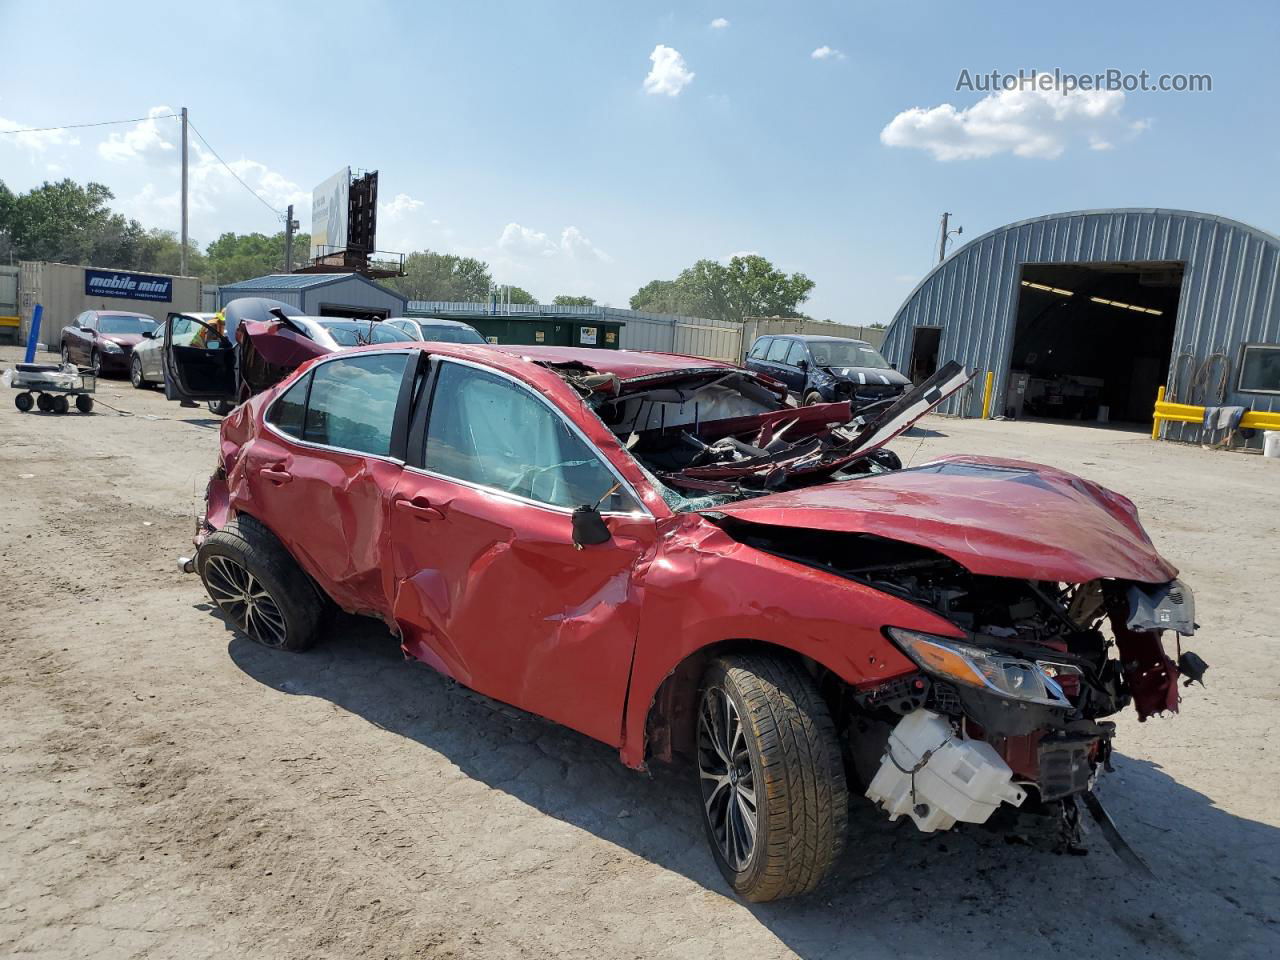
[1093, 342]
[924, 353]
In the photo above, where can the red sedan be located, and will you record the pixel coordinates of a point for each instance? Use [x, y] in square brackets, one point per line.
[659, 552]
[104, 339]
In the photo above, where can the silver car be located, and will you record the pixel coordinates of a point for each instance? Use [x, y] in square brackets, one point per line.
[146, 368]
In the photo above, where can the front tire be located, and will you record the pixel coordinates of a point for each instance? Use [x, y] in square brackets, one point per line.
[66, 354]
[95, 361]
[771, 777]
[259, 586]
[813, 397]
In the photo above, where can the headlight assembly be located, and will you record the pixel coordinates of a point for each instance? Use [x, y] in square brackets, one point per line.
[996, 673]
[110, 346]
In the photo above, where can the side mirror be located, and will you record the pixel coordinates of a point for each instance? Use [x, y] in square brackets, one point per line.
[893, 366]
[148, 334]
[802, 364]
[589, 528]
[86, 329]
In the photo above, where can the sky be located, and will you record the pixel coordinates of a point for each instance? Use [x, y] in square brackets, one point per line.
[590, 147]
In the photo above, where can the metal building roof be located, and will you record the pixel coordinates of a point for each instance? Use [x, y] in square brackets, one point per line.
[1230, 288]
[290, 281]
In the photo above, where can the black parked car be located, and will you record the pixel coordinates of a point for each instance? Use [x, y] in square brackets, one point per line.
[827, 369]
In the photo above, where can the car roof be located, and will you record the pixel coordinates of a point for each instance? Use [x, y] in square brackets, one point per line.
[123, 313]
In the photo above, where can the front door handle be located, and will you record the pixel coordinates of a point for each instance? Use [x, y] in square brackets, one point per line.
[276, 473]
[419, 507]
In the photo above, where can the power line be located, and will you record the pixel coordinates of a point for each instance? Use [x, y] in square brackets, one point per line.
[232, 172]
[100, 123]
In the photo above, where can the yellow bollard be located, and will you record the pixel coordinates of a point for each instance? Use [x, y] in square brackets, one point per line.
[986, 395]
[1155, 416]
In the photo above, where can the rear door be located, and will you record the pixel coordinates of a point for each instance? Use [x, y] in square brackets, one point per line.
[199, 362]
[322, 471]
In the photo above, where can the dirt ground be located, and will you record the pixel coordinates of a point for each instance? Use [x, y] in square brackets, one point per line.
[168, 789]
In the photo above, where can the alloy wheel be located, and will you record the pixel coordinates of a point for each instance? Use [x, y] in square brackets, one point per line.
[728, 781]
[135, 372]
[66, 354]
[245, 599]
[95, 361]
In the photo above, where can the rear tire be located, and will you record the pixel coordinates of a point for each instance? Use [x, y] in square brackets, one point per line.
[221, 407]
[259, 587]
[782, 754]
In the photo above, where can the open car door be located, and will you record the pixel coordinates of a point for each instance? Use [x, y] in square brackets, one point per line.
[199, 362]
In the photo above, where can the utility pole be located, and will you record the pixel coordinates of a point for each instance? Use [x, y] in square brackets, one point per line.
[183, 261]
[290, 225]
[946, 235]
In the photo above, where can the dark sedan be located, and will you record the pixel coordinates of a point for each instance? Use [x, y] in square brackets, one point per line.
[104, 339]
[827, 369]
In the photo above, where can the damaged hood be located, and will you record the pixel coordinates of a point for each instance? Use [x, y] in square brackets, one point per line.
[1002, 518]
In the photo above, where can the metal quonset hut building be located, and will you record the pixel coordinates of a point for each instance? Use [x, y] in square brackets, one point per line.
[1085, 315]
[321, 294]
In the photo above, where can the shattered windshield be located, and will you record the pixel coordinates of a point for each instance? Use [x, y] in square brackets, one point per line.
[837, 354]
[712, 437]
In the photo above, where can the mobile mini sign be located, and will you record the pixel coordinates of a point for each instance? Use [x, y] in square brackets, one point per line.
[128, 286]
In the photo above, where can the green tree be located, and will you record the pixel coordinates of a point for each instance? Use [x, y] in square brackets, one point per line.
[443, 276]
[564, 300]
[234, 257]
[69, 223]
[748, 286]
[517, 295]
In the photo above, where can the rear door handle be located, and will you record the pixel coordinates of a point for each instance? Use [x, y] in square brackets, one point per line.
[419, 507]
[276, 473]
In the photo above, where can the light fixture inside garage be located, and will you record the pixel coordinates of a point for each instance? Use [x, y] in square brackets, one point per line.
[1128, 306]
[1047, 289]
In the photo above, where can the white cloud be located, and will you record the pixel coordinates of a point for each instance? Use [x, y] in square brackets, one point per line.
[826, 53]
[401, 205]
[520, 241]
[739, 253]
[154, 140]
[719, 23]
[1026, 123]
[669, 75]
[37, 141]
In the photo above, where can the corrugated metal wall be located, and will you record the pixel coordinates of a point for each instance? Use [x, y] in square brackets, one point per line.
[59, 288]
[1231, 276]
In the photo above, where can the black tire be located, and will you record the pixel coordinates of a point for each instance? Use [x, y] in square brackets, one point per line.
[221, 407]
[287, 609]
[66, 354]
[790, 752]
[84, 403]
[24, 402]
[95, 361]
[44, 402]
[135, 374]
[812, 397]
[60, 404]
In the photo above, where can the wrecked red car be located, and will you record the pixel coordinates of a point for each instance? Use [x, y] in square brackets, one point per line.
[659, 552]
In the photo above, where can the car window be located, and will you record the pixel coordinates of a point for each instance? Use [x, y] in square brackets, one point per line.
[797, 354]
[778, 351]
[353, 402]
[287, 413]
[182, 331]
[760, 348]
[90, 320]
[487, 430]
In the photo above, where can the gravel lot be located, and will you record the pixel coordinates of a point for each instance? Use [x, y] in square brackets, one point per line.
[169, 789]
